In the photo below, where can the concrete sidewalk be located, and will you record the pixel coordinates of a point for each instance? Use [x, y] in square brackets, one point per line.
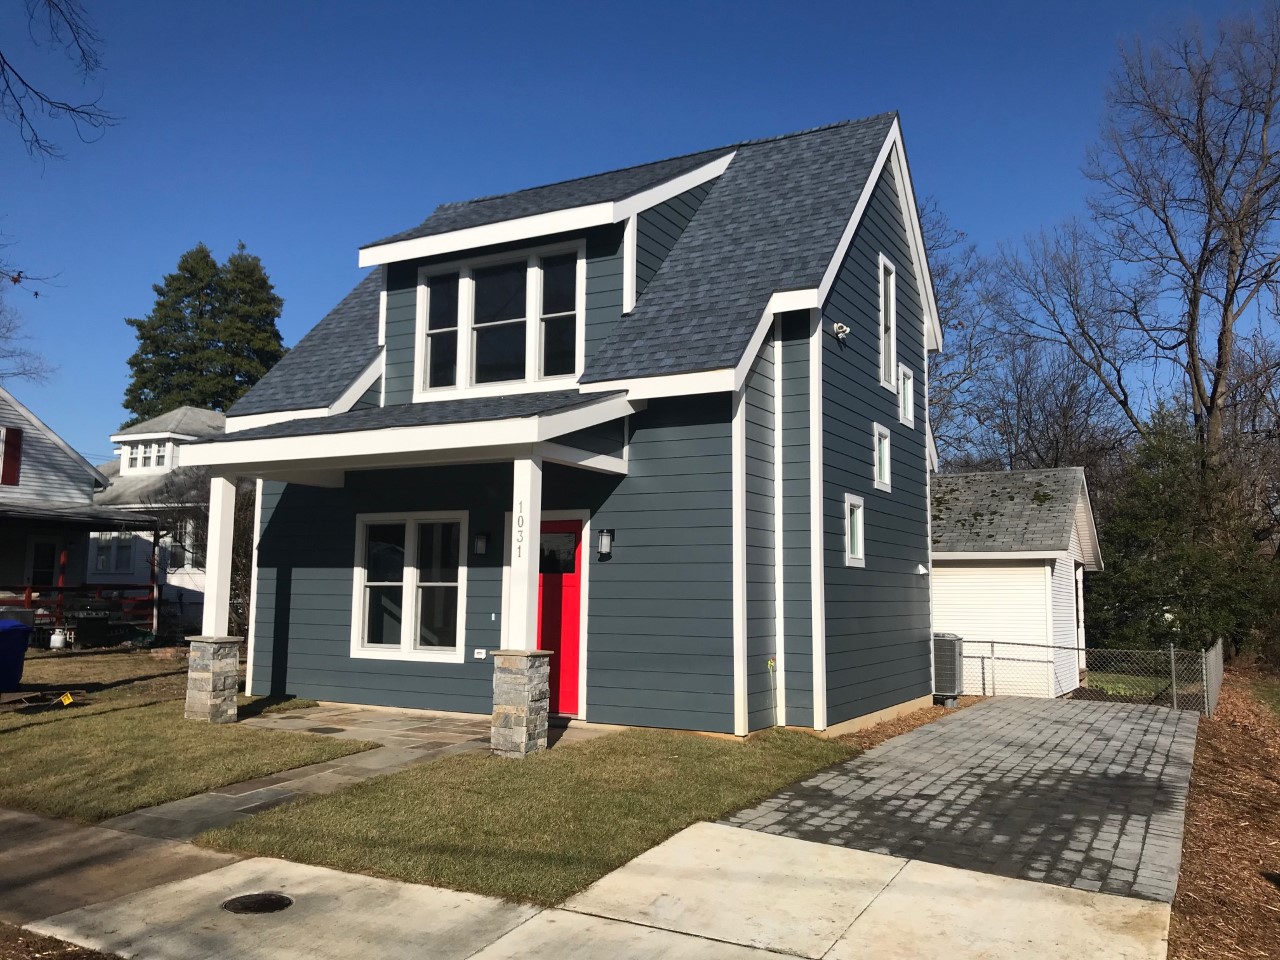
[711, 891]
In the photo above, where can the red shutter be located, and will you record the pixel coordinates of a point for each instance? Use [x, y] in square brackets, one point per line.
[11, 469]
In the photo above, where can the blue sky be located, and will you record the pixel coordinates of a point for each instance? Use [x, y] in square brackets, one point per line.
[305, 129]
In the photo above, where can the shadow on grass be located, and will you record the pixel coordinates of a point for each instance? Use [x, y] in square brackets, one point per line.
[271, 704]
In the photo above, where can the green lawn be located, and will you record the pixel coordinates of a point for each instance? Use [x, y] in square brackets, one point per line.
[538, 829]
[124, 745]
[1127, 685]
[1268, 691]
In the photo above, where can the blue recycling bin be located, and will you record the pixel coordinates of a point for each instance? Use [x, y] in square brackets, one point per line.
[14, 637]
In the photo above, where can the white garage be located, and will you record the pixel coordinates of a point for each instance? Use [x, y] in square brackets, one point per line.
[1010, 550]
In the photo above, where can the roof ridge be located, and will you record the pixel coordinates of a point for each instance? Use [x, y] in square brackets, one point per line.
[1009, 473]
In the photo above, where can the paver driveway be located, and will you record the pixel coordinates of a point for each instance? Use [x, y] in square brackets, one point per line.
[1085, 795]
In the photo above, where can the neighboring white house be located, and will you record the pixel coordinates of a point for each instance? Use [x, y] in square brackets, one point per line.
[148, 476]
[1010, 550]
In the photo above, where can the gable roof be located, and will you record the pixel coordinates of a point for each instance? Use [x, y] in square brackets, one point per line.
[57, 441]
[581, 192]
[1016, 511]
[326, 361]
[770, 223]
[183, 421]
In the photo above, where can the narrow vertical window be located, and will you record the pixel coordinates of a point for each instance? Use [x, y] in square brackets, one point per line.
[906, 395]
[123, 559]
[888, 324]
[161, 450]
[133, 456]
[442, 331]
[10, 456]
[439, 550]
[383, 583]
[882, 458]
[559, 315]
[854, 541]
[147, 449]
[499, 321]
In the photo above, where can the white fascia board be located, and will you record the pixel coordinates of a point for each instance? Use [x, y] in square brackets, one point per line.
[783, 302]
[125, 438]
[945, 555]
[1087, 530]
[891, 151]
[367, 378]
[588, 415]
[56, 440]
[584, 459]
[251, 420]
[382, 309]
[572, 220]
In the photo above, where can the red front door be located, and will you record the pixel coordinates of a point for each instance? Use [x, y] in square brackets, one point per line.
[560, 608]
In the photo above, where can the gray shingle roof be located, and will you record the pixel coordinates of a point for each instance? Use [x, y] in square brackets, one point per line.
[1000, 512]
[326, 360]
[771, 222]
[187, 421]
[599, 188]
[472, 410]
[177, 486]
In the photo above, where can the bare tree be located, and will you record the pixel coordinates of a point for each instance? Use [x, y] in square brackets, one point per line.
[1188, 171]
[17, 360]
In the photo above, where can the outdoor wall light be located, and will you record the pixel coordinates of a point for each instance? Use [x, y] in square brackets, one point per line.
[480, 545]
[605, 547]
[921, 569]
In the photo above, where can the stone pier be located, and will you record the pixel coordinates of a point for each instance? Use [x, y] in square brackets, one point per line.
[521, 692]
[213, 677]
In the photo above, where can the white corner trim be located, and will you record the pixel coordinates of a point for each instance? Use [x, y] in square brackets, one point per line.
[738, 449]
[1048, 624]
[573, 219]
[360, 385]
[249, 421]
[251, 629]
[779, 520]
[382, 310]
[629, 281]
[817, 526]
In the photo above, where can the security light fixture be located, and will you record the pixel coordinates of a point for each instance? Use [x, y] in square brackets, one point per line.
[841, 330]
[605, 546]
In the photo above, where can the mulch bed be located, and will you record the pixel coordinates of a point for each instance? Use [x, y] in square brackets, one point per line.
[888, 729]
[18, 944]
[1228, 902]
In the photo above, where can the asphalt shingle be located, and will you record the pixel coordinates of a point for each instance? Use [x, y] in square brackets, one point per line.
[1005, 511]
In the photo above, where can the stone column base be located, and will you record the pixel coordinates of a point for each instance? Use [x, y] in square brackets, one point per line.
[213, 678]
[521, 696]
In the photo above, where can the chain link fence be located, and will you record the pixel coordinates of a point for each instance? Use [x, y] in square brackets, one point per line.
[1170, 677]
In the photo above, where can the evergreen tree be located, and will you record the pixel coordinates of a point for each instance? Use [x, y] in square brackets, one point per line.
[210, 336]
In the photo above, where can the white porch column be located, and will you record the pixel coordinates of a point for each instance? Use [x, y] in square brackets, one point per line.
[526, 536]
[217, 587]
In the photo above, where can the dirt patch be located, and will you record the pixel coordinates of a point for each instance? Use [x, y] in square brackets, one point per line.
[874, 736]
[18, 944]
[1228, 903]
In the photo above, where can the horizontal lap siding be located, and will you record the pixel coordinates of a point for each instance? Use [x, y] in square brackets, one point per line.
[761, 625]
[1065, 659]
[402, 318]
[303, 619]
[604, 286]
[877, 617]
[658, 229]
[792, 352]
[660, 619]
[47, 472]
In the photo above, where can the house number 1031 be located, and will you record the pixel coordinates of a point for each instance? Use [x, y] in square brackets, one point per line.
[519, 537]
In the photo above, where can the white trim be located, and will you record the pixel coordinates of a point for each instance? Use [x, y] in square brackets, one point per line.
[124, 439]
[1049, 637]
[251, 628]
[999, 555]
[779, 514]
[360, 385]
[817, 526]
[332, 449]
[906, 396]
[887, 342]
[570, 220]
[406, 651]
[855, 540]
[1087, 531]
[629, 281]
[57, 441]
[738, 446]
[251, 420]
[879, 432]
[583, 459]
[382, 310]
[464, 384]
[785, 302]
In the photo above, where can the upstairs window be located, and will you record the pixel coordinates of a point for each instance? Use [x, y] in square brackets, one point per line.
[442, 331]
[500, 305]
[10, 456]
[161, 450]
[906, 396]
[882, 458]
[133, 456]
[854, 539]
[147, 450]
[559, 315]
[888, 324]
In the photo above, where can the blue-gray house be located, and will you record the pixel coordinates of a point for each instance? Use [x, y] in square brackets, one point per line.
[667, 422]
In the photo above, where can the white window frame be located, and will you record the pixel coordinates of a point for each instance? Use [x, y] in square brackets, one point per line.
[890, 362]
[133, 452]
[855, 533]
[878, 433]
[533, 381]
[409, 585]
[106, 547]
[906, 396]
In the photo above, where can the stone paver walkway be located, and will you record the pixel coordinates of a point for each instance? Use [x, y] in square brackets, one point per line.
[404, 738]
[1079, 794]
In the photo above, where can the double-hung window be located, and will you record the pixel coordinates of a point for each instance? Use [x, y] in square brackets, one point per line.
[410, 587]
[559, 315]
[888, 324]
[113, 552]
[133, 456]
[906, 396]
[147, 450]
[498, 350]
[441, 356]
[882, 459]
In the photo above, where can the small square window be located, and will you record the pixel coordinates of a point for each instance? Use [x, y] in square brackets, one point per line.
[906, 395]
[854, 539]
[882, 458]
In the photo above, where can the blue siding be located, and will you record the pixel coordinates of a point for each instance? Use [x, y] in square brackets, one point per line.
[761, 625]
[793, 351]
[402, 313]
[604, 285]
[658, 229]
[877, 617]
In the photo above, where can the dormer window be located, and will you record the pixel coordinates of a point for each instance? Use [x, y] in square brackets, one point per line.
[147, 449]
[491, 323]
[133, 456]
